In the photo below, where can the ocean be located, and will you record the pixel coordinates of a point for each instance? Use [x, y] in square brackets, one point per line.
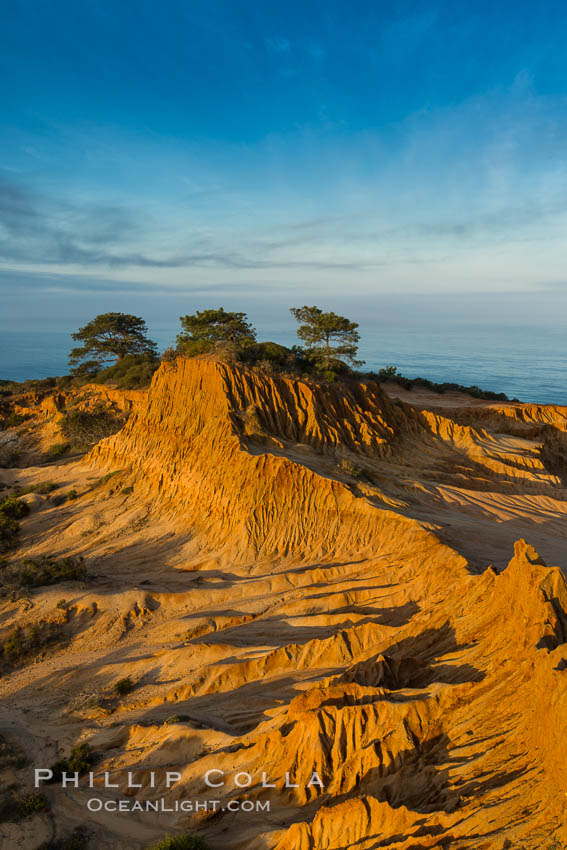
[529, 363]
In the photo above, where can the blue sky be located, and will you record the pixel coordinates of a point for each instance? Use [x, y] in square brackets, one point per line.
[162, 157]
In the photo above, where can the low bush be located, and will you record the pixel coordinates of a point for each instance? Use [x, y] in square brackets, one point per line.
[269, 353]
[64, 382]
[31, 804]
[43, 488]
[192, 348]
[9, 529]
[266, 357]
[31, 385]
[132, 372]
[181, 842]
[84, 428]
[123, 686]
[105, 478]
[11, 756]
[13, 420]
[80, 760]
[390, 373]
[177, 718]
[350, 468]
[40, 572]
[25, 642]
[58, 450]
[12, 509]
[15, 808]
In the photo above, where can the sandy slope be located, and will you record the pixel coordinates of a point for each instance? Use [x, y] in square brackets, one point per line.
[304, 573]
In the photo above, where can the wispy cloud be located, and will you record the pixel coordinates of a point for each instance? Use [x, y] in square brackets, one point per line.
[446, 194]
[39, 230]
[26, 283]
[36, 228]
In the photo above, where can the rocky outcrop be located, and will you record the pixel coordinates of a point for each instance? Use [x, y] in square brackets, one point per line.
[191, 448]
[280, 568]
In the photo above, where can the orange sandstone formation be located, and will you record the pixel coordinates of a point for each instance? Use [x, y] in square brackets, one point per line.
[317, 581]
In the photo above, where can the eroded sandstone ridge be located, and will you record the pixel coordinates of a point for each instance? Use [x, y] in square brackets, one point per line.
[312, 580]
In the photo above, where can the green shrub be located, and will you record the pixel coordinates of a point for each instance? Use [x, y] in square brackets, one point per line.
[86, 372]
[8, 533]
[181, 842]
[390, 373]
[64, 382]
[81, 758]
[268, 357]
[13, 420]
[11, 510]
[105, 478]
[84, 428]
[25, 642]
[270, 353]
[40, 385]
[177, 718]
[31, 805]
[43, 488]
[15, 808]
[80, 761]
[72, 495]
[58, 450]
[350, 468]
[47, 570]
[123, 686]
[11, 756]
[192, 347]
[132, 372]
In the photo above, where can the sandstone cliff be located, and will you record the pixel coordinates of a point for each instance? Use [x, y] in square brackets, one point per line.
[313, 580]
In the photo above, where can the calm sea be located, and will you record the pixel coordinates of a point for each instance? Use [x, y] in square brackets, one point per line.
[524, 362]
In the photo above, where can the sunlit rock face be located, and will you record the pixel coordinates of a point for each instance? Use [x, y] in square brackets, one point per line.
[328, 592]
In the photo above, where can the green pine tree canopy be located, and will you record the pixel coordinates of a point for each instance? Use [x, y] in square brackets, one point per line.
[330, 339]
[208, 327]
[111, 336]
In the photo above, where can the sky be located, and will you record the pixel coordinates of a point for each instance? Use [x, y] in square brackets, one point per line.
[385, 158]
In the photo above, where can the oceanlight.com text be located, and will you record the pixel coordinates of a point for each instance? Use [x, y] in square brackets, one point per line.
[161, 806]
